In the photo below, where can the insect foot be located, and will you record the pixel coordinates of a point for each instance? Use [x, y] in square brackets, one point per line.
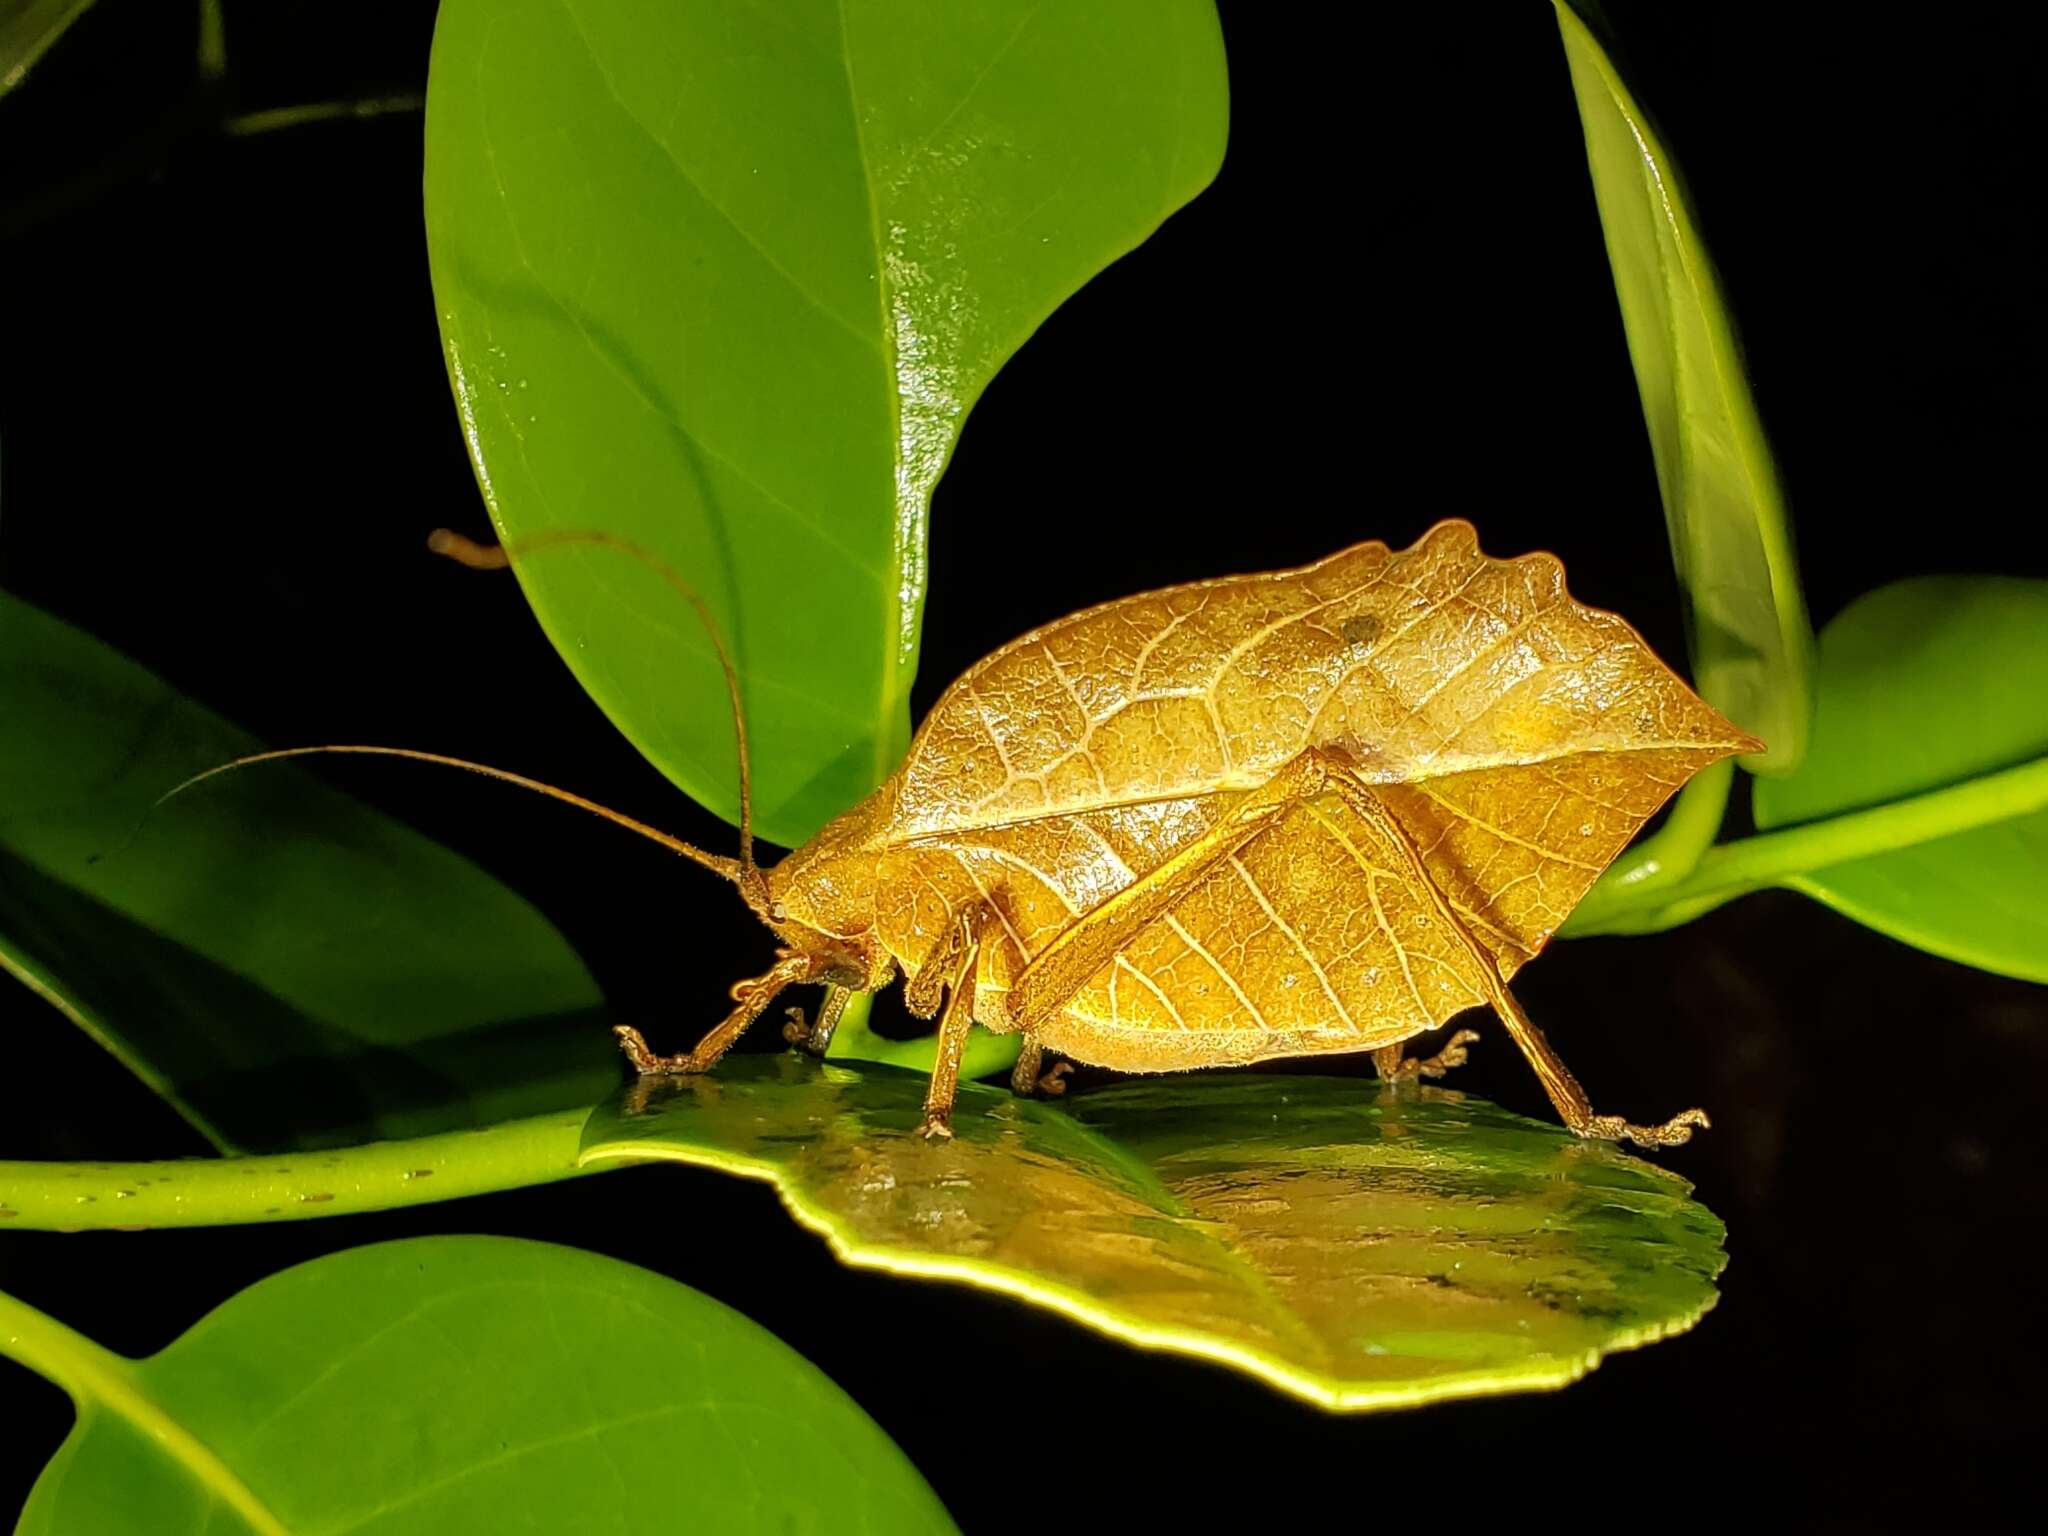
[643, 1057]
[750, 999]
[813, 1039]
[816, 1038]
[1452, 1055]
[1027, 1078]
[938, 1125]
[1675, 1132]
[1394, 1069]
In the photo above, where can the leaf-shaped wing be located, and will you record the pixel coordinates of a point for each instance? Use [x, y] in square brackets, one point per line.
[1518, 738]
[1424, 664]
[1315, 937]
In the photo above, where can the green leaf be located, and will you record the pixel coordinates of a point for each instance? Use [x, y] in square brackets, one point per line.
[725, 279]
[1752, 645]
[1927, 684]
[461, 1384]
[1358, 1247]
[28, 30]
[285, 965]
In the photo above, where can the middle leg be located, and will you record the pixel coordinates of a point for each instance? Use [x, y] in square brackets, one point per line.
[1030, 1076]
[817, 1037]
[1397, 1068]
[954, 1022]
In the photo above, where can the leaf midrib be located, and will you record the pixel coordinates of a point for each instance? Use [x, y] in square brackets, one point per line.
[895, 598]
[98, 1378]
[1247, 780]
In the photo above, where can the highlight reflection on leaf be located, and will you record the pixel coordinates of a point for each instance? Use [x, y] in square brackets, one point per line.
[1357, 1246]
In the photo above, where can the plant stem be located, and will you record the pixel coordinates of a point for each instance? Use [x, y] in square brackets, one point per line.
[289, 1186]
[94, 1376]
[271, 119]
[1670, 853]
[1770, 858]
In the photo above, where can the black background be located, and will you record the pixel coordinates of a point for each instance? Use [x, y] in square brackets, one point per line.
[224, 427]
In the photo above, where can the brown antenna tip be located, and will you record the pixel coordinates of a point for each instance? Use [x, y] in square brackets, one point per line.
[466, 551]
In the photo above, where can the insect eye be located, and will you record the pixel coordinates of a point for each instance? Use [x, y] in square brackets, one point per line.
[778, 913]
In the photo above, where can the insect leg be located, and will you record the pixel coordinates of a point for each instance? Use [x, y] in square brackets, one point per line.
[817, 1037]
[954, 1023]
[1573, 1107]
[752, 999]
[1092, 940]
[1027, 1078]
[1024, 1076]
[1396, 1068]
[922, 991]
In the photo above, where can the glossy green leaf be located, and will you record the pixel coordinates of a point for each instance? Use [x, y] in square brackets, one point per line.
[1927, 684]
[461, 1384]
[28, 30]
[1752, 645]
[284, 964]
[1359, 1247]
[726, 278]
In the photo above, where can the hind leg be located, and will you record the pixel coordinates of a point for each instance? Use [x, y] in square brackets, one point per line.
[1563, 1090]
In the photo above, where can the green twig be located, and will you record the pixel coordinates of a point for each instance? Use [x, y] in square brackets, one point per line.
[274, 118]
[1770, 858]
[1670, 853]
[213, 41]
[290, 1186]
[383, 1175]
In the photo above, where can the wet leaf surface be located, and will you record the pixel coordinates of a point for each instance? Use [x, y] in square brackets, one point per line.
[1359, 1247]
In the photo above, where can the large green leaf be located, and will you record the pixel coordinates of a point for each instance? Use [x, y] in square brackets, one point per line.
[461, 1384]
[726, 278]
[1752, 645]
[1359, 1247]
[285, 965]
[1927, 684]
[28, 30]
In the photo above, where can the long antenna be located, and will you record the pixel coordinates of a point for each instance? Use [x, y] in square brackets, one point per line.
[499, 557]
[724, 868]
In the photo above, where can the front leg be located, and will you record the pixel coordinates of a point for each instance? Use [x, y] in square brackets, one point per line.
[752, 999]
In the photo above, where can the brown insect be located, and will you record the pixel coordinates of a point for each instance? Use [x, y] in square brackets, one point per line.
[1318, 810]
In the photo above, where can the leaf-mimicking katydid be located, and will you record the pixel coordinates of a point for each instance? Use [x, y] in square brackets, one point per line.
[1317, 810]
